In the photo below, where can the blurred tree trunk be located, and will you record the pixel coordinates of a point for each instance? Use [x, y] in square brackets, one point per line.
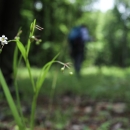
[9, 25]
[124, 45]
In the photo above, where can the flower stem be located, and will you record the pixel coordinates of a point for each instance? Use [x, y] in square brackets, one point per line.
[30, 75]
[18, 103]
[33, 110]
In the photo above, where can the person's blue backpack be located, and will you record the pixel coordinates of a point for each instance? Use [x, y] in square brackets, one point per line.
[75, 35]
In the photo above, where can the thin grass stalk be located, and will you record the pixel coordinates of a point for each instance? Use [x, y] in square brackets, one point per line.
[11, 102]
[15, 70]
[52, 91]
[33, 110]
[30, 74]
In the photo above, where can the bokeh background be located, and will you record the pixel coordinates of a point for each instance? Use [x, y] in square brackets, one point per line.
[99, 100]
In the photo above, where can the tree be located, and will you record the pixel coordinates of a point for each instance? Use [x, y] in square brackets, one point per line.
[116, 34]
[9, 24]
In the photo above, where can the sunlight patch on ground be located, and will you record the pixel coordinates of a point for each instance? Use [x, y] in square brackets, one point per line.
[89, 70]
[108, 71]
[115, 71]
[23, 72]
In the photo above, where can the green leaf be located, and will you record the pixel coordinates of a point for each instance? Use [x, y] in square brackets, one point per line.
[21, 48]
[11, 102]
[43, 73]
[15, 59]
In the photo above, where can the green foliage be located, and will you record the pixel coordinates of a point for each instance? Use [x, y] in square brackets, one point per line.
[115, 36]
[11, 103]
[36, 86]
[96, 82]
[110, 30]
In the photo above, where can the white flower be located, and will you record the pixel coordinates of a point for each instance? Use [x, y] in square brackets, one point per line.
[3, 40]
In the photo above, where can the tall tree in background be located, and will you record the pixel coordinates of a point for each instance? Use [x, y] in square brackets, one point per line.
[117, 35]
[9, 25]
[123, 8]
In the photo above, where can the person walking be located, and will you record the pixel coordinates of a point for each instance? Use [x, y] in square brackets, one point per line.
[77, 38]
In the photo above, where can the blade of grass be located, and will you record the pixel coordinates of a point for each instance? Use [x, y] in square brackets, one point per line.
[44, 72]
[15, 70]
[24, 54]
[22, 49]
[15, 64]
[30, 74]
[11, 102]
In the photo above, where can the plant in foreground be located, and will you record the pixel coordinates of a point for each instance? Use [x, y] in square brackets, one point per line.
[36, 86]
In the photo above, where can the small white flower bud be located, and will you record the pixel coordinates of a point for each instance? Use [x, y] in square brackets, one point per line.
[33, 37]
[71, 73]
[62, 69]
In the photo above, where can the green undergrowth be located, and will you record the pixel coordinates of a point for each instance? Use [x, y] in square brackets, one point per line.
[106, 83]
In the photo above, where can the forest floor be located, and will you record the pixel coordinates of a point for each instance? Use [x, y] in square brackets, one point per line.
[70, 112]
[101, 102]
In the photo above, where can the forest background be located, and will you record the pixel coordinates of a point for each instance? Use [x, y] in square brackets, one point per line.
[109, 30]
[105, 70]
